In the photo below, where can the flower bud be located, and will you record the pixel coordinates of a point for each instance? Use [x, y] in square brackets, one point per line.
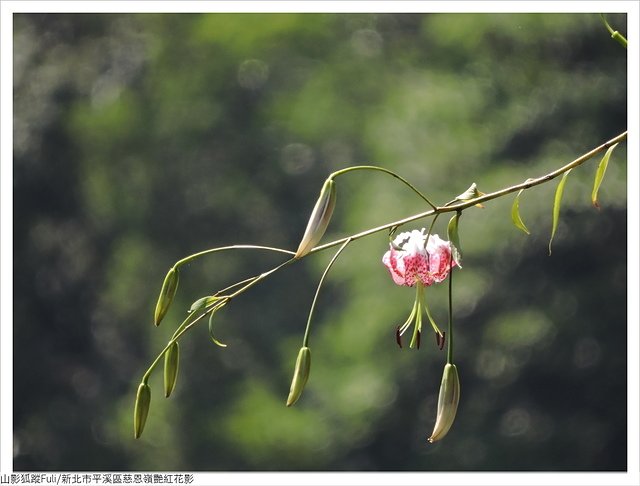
[319, 219]
[447, 402]
[300, 375]
[168, 291]
[141, 410]
[471, 193]
[171, 361]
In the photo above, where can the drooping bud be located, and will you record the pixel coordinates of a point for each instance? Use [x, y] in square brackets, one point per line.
[300, 375]
[171, 363]
[447, 402]
[141, 409]
[319, 220]
[167, 293]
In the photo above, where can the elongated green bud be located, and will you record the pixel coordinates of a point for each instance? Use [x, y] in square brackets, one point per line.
[300, 375]
[447, 402]
[141, 409]
[171, 362]
[319, 219]
[168, 291]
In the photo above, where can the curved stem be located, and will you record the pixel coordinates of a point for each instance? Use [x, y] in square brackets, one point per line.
[486, 197]
[260, 277]
[237, 284]
[386, 171]
[606, 24]
[186, 325]
[189, 258]
[190, 321]
[614, 33]
[305, 340]
[430, 317]
[450, 346]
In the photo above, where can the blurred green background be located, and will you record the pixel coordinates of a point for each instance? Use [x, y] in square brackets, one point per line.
[139, 139]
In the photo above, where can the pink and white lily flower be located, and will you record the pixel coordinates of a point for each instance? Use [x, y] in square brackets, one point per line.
[414, 260]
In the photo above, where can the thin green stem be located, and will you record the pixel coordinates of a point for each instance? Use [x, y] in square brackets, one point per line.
[435, 218]
[417, 328]
[305, 340]
[260, 277]
[216, 305]
[190, 321]
[430, 317]
[190, 258]
[186, 325]
[177, 335]
[237, 284]
[486, 197]
[410, 319]
[614, 33]
[450, 346]
[386, 171]
[606, 24]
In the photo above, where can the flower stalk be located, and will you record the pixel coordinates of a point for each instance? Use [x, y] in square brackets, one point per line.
[530, 182]
[450, 387]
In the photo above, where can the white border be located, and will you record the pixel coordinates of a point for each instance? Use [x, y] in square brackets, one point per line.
[7, 8]
[6, 242]
[312, 6]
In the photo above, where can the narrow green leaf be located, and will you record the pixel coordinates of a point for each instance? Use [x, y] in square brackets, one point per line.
[202, 303]
[602, 168]
[556, 206]
[515, 214]
[454, 238]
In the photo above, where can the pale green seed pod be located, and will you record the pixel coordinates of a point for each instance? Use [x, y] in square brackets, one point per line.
[171, 363]
[447, 402]
[319, 219]
[167, 293]
[141, 409]
[300, 375]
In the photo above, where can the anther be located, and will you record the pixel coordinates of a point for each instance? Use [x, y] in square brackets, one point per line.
[398, 337]
[442, 340]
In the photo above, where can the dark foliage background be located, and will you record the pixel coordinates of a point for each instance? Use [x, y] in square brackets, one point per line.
[139, 139]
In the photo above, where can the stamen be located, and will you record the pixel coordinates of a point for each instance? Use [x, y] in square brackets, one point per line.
[399, 337]
[418, 339]
[443, 338]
